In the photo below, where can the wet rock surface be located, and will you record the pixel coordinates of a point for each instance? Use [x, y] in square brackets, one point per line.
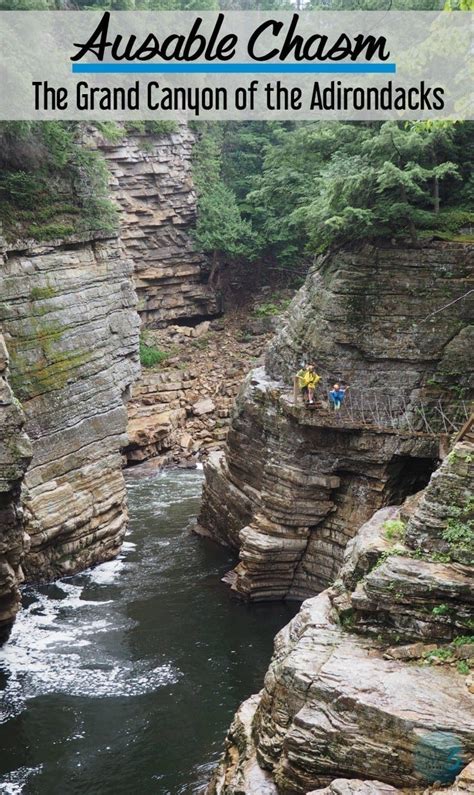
[71, 328]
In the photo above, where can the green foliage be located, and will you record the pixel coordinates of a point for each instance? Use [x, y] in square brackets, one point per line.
[275, 306]
[463, 640]
[305, 187]
[110, 130]
[151, 127]
[40, 293]
[394, 529]
[49, 231]
[220, 229]
[348, 620]
[439, 655]
[20, 189]
[439, 557]
[50, 185]
[441, 610]
[383, 557]
[459, 533]
[463, 667]
[150, 356]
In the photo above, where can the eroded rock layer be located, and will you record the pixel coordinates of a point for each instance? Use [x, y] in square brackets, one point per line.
[151, 182]
[344, 711]
[15, 454]
[71, 328]
[294, 485]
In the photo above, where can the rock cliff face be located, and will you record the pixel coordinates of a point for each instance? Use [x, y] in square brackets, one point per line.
[151, 183]
[344, 711]
[71, 329]
[294, 485]
[15, 454]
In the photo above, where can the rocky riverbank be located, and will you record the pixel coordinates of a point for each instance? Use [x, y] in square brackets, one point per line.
[181, 409]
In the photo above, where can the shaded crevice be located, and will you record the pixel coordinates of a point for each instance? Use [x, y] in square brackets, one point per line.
[194, 320]
[407, 475]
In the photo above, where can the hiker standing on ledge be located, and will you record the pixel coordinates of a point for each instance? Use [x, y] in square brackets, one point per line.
[307, 382]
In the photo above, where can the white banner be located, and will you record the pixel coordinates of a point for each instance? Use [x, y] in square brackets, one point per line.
[235, 65]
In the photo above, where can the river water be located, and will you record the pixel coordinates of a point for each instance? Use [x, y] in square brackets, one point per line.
[124, 679]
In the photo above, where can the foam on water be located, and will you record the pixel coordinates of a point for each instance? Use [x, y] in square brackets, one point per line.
[155, 623]
[107, 573]
[55, 647]
[16, 780]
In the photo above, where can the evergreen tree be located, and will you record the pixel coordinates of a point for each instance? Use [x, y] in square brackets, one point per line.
[220, 229]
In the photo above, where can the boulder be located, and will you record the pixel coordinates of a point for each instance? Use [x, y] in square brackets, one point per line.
[332, 705]
[204, 406]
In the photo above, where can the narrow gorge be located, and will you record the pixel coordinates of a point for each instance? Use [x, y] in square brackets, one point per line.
[70, 319]
[131, 358]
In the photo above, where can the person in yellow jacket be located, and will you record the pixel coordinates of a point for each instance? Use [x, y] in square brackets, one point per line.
[307, 382]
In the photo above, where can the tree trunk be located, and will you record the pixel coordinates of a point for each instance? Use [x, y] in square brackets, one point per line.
[214, 274]
[411, 225]
[436, 195]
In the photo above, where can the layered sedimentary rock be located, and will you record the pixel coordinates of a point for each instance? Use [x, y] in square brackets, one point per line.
[344, 710]
[294, 485]
[152, 186]
[15, 455]
[71, 328]
[408, 589]
[151, 182]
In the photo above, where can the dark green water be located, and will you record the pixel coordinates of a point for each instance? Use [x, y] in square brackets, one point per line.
[124, 679]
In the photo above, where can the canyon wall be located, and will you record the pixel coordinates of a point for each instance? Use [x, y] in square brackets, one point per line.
[370, 688]
[15, 455]
[293, 485]
[151, 182]
[70, 325]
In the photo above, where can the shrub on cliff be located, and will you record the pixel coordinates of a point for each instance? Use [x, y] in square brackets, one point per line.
[48, 179]
[150, 355]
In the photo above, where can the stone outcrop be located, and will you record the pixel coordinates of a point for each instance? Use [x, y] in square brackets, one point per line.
[151, 182]
[404, 588]
[69, 321]
[15, 455]
[293, 485]
[344, 712]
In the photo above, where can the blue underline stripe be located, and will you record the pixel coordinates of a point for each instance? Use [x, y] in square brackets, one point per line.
[233, 68]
